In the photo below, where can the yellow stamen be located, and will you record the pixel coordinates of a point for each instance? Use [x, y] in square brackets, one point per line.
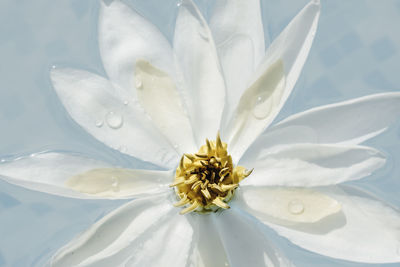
[191, 208]
[218, 201]
[206, 181]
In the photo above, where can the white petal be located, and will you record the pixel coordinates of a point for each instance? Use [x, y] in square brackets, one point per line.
[289, 51]
[47, 172]
[73, 175]
[120, 183]
[287, 206]
[132, 232]
[369, 230]
[239, 36]
[94, 103]
[244, 243]
[158, 95]
[124, 37]
[311, 164]
[294, 43]
[349, 122]
[208, 250]
[197, 56]
[257, 108]
[167, 246]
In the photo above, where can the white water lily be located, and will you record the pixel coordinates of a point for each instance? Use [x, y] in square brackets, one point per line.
[161, 103]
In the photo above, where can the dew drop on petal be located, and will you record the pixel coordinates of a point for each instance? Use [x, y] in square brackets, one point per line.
[2, 160]
[99, 123]
[53, 67]
[179, 4]
[262, 106]
[114, 120]
[114, 184]
[126, 102]
[296, 207]
[138, 83]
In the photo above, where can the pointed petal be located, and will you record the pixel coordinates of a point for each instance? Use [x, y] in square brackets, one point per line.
[208, 250]
[256, 109]
[293, 44]
[239, 36]
[349, 122]
[311, 164]
[244, 243]
[289, 52]
[47, 172]
[124, 37]
[197, 56]
[160, 99]
[93, 103]
[369, 230]
[131, 232]
[73, 175]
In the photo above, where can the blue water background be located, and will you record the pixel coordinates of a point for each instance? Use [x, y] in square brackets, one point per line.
[355, 53]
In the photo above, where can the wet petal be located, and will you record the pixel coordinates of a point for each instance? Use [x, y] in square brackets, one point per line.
[287, 206]
[244, 244]
[47, 172]
[350, 122]
[239, 36]
[311, 164]
[77, 176]
[120, 183]
[160, 99]
[93, 103]
[256, 108]
[369, 230]
[124, 37]
[204, 84]
[283, 61]
[133, 235]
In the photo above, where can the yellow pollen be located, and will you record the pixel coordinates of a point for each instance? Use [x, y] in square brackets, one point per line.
[206, 181]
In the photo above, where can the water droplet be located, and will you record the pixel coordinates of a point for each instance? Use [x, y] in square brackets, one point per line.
[114, 184]
[99, 123]
[262, 106]
[179, 4]
[126, 102]
[114, 120]
[296, 207]
[2, 160]
[226, 264]
[138, 83]
[53, 67]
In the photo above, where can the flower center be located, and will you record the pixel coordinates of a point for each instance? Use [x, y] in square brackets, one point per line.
[207, 180]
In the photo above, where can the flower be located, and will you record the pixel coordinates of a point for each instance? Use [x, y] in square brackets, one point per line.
[164, 105]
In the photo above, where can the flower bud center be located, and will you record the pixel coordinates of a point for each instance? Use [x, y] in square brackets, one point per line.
[206, 181]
